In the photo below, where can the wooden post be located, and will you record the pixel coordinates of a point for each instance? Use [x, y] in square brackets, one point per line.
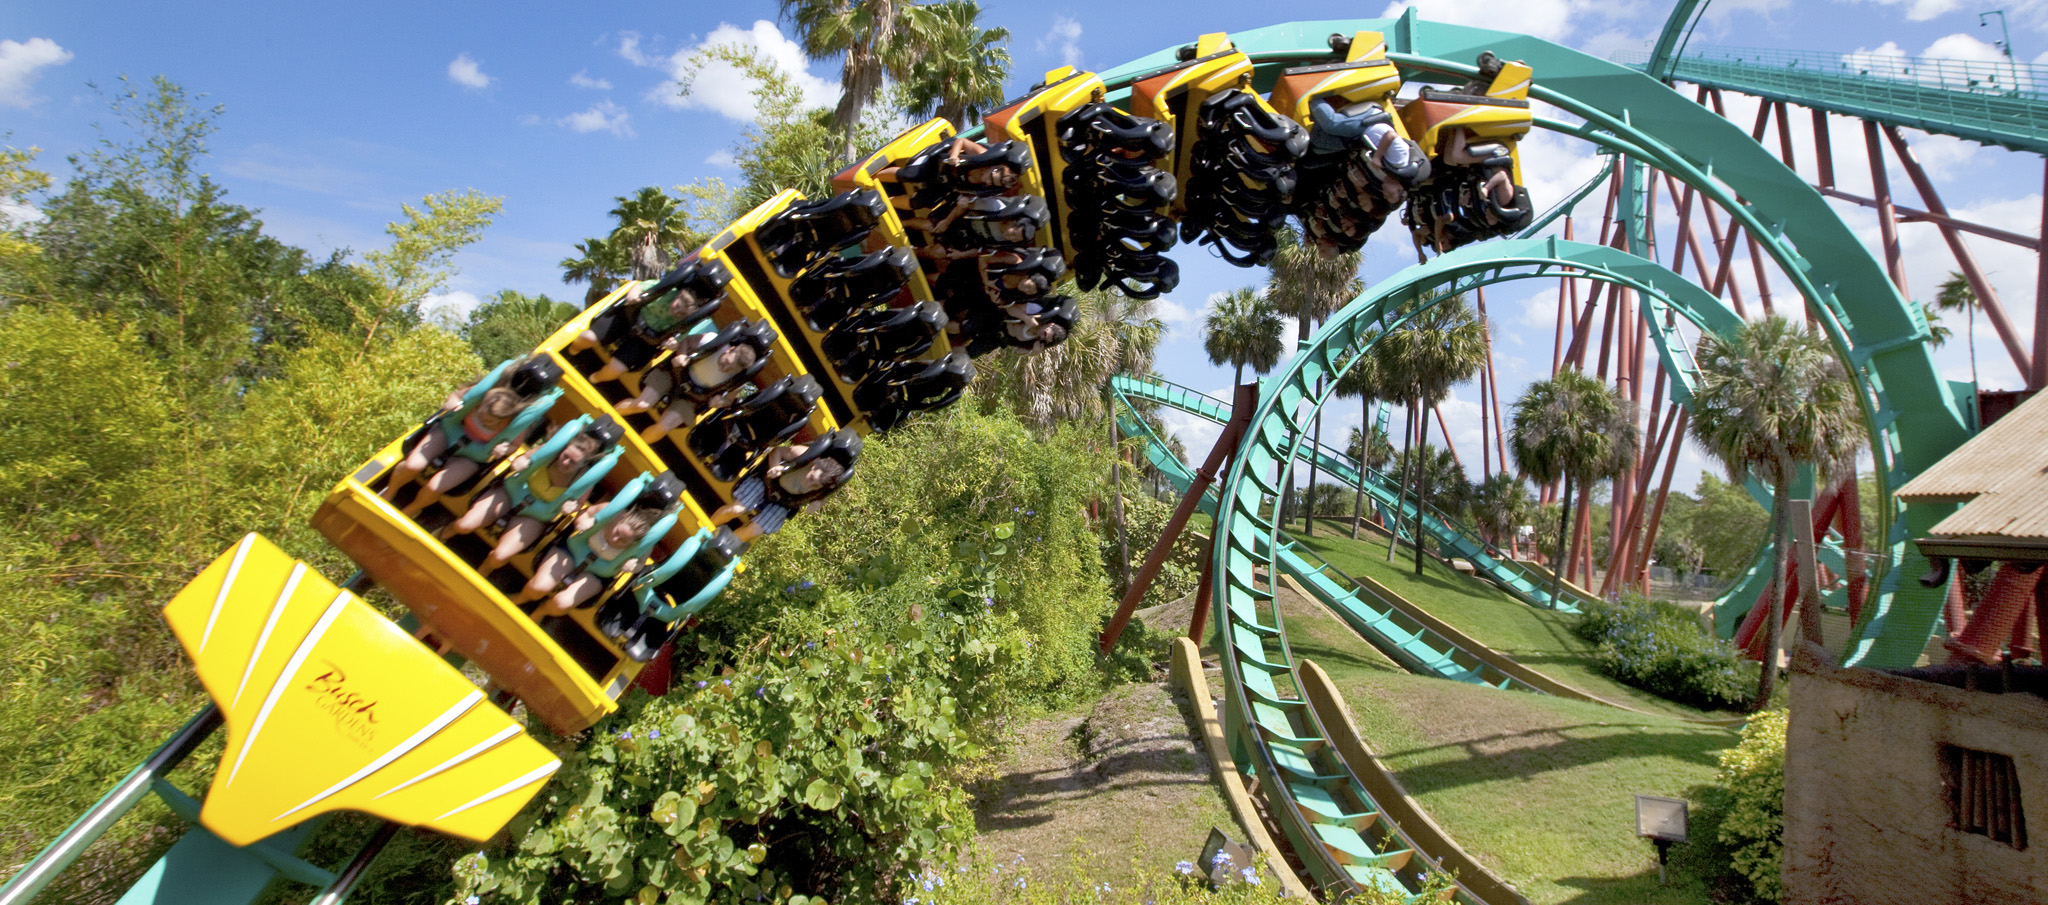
[1807, 571]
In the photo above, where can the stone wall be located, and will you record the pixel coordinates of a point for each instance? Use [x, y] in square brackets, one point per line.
[1868, 812]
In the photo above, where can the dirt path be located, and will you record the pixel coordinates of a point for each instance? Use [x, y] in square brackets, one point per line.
[1111, 788]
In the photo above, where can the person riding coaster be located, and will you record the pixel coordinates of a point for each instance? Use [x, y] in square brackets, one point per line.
[706, 371]
[967, 168]
[655, 603]
[542, 486]
[789, 478]
[479, 424]
[605, 543]
[651, 316]
[972, 225]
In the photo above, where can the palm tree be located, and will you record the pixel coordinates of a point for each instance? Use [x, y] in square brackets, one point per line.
[1441, 345]
[880, 40]
[1309, 286]
[1773, 399]
[597, 262]
[1243, 329]
[652, 230]
[960, 75]
[1956, 295]
[1361, 380]
[1564, 428]
[1499, 504]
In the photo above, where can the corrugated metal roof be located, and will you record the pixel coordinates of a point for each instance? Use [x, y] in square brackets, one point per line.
[2016, 445]
[2016, 508]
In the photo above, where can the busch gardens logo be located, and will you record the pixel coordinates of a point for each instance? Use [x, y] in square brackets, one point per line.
[354, 714]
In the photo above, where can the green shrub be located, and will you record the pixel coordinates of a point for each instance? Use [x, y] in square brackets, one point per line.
[1753, 772]
[1147, 518]
[1661, 649]
[977, 881]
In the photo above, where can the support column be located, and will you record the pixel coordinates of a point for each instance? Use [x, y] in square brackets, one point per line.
[1987, 295]
[1887, 218]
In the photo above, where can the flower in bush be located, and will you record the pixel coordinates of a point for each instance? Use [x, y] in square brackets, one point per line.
[1185, 867]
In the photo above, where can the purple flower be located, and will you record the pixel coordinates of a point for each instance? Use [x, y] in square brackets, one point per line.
[701, 683]
[761, 692]
[1185, 867]
[804, 585]
[1250, 876]
[653, 733]
[626, 734]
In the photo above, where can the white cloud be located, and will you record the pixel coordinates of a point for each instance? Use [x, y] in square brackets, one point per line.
[605, 116]
[529, 119]
[1964, 46]
[1921, 10]
[449, 308]
[19, 63]
[1065, 36]
[722, 160]
[15, 214]
[465, 72]
[719, 87]
[582, 79]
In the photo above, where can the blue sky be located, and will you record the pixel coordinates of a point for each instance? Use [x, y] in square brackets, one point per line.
[337, 114]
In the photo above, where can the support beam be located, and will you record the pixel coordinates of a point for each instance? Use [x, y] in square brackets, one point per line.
[1914, 215]
[1246, 399]
[1887, 220]
[1663, 491]
[1823, 151]
[1987, 295]
[2038, 377]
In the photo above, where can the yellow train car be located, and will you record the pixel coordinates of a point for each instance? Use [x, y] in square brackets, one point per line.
[1174, 95]
[1365, 75]
[1500, 114]
[1035, 121]
[709, 483]
[566, 670]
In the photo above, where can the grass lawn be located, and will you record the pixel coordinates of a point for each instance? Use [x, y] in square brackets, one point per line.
[1539, 788]
[1540, 639]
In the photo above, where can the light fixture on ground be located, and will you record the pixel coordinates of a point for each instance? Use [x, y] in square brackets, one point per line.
[1662, 821]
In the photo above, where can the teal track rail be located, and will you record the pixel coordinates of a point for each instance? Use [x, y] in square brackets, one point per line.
[1331, 822]
[1452, 539]
[1408, 642]
[1994, 103]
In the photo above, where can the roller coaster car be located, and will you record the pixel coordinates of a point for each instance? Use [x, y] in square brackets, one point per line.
[928, 179]
[1139, 276]
[757, 334]
[998, 223]
[1047, 263]
[1499, 113]
[1120, 181]
[567, 673]
[650, 608]
[907, 387]
[873, 338]
[729, 438]
[836, 288]
[1365, 74]
[1098, 127]
[806, 230]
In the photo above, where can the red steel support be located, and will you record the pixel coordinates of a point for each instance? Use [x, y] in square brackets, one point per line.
[1987, 295]
[1823, 151]
[1247, 398]
[1887, 221]
[1785, 137]
[1915, 215]
[1663, 491]
[2038, 377]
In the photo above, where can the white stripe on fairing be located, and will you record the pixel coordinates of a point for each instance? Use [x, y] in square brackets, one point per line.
[291, 585]
[400, 750]
[226, 583]
[507, 789]
[1518, 86]
[285, 677]
[478, 748]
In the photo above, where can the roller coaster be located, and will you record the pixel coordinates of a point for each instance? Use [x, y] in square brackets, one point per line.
[560, 520]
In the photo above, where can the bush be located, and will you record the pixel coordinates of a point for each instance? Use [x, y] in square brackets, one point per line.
[1738, 820]
[1661, 649]
[1753, 772]
[1147, 518]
